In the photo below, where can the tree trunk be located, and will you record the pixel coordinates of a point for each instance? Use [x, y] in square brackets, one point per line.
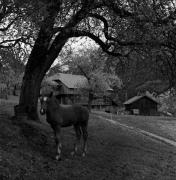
[38, 64]
[44, 52]
[30, 90]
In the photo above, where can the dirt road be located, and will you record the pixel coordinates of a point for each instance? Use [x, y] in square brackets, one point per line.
[140, 131]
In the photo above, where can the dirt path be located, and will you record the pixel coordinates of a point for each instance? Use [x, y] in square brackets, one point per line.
[151, 135]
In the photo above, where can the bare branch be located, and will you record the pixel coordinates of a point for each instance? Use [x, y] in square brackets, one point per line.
[110, 38]
[84, 73]
[10, 40]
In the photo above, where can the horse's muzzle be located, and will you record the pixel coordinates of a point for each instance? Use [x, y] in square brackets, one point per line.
[42, 111]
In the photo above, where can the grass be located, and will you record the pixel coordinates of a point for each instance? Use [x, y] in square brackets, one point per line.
[114, 153]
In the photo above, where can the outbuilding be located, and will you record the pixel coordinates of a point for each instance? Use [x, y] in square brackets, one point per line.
[142, 105]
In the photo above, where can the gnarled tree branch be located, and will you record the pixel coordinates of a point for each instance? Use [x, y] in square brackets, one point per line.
[105, 46]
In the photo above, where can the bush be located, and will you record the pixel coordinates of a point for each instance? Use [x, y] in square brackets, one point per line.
[168, 104]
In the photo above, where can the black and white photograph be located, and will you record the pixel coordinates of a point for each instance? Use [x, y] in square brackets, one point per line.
[87, 89]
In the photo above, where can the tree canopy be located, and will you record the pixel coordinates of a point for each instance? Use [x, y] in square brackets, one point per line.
[120, 28]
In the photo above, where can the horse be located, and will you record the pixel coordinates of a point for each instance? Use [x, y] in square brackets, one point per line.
[59, 116]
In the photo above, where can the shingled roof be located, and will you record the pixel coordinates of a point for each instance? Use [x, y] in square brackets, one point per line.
[136, 98]
[69, 80]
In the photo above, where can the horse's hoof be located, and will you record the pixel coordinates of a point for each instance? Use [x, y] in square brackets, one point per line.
[58, 158]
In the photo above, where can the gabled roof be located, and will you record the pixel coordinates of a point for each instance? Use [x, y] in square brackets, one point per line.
[136, 98]
[69, 80]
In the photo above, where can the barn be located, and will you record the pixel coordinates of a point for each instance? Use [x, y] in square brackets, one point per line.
[142, 105]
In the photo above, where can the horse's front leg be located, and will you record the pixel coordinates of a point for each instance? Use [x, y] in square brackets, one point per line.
[58, 142]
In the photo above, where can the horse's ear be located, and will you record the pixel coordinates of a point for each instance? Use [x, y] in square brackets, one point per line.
[51, 94]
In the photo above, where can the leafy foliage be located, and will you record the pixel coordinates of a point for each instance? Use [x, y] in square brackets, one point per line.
[11, 70]
[120, 28]
[168, 103]
[91, 64]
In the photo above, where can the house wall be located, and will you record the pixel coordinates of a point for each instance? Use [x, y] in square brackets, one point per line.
[67, 95]
[65, 90]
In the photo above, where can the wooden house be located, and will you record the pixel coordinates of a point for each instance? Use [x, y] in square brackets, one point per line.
[70, 89]
[142, 105]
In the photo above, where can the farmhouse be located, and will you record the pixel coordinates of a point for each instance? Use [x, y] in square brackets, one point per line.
[70, 89]
[143, 105]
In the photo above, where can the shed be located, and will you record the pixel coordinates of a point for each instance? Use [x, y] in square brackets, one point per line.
[142, 105]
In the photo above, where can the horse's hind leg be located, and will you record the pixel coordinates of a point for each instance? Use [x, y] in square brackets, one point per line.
[85, 136]
[78, 137]
[58, 143]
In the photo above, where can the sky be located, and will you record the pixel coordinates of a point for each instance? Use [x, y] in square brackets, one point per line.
[78, 44]
[82, 43]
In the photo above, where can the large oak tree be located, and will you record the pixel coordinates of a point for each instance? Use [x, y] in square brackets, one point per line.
[111, 24]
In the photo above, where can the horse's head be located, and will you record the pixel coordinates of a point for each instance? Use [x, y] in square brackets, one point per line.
[44, 103]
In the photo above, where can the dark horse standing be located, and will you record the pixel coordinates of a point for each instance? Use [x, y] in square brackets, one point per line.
[63, 116]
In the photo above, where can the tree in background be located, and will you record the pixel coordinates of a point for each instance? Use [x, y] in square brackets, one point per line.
[139, 72]
[16, 28]
[12, 69]
[168, 104]
[16, 37]
[91, 64]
